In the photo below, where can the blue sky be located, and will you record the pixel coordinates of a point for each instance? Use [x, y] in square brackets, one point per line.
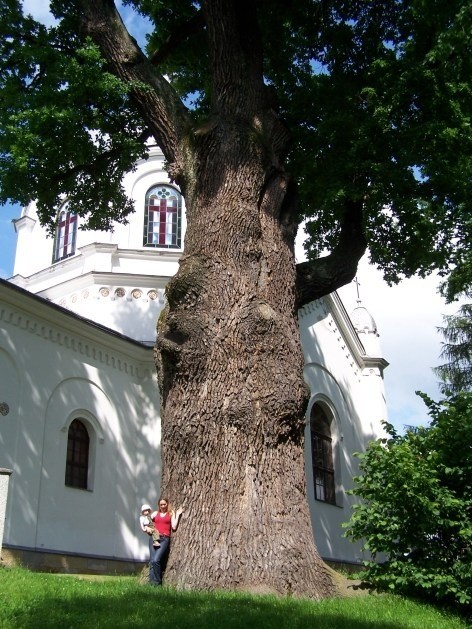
[406, 315]
[7, 239]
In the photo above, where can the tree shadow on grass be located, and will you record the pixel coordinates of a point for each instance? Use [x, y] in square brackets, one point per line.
[158, 607]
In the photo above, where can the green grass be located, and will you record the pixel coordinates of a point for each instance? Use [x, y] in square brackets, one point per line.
[30, 599]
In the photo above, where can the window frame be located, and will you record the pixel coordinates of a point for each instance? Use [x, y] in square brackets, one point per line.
[78, 451]
[163, 212]
[65, 238]
[322, 454]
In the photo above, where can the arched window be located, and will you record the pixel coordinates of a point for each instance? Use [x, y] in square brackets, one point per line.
[66, 235]
[322, 455]
[77, 462]
[162, 217]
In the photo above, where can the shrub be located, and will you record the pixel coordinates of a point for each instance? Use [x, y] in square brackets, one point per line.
[416, 512]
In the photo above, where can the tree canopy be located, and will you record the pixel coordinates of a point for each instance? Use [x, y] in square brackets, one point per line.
[377, 97]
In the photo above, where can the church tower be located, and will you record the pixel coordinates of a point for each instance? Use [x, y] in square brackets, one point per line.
[117, 278]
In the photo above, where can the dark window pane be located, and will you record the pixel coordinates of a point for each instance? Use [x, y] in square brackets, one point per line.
[322, 455]
[78, 443]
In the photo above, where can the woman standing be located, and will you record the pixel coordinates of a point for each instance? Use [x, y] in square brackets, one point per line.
[165, 522]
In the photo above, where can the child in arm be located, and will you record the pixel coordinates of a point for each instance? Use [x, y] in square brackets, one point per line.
[147, 525]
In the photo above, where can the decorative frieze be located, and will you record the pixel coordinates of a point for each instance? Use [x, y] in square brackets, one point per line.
[71, 342]
[112, 293]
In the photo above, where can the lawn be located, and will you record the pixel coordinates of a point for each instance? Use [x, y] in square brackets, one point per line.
[30, 599]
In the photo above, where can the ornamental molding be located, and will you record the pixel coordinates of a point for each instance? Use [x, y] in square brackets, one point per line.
[99, 263]
[25, 222]
[109, 292]
[83, 338]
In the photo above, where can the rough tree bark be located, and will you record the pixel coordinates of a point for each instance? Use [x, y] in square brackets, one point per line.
[233, 396]
[228, 352]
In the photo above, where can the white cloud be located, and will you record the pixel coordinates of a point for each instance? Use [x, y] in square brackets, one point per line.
[407, 317]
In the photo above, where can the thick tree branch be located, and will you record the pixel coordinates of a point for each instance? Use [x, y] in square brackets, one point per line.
[158, 103]
[323, 276]
[177, 37]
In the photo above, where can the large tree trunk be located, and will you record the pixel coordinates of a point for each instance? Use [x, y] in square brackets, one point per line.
[233, 396]
[228, 351]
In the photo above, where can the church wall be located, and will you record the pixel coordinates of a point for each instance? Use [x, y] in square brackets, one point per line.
[355, 399]
[50, 375]
[133, 310]
[112, 278]
[54, 368]
[31, 237]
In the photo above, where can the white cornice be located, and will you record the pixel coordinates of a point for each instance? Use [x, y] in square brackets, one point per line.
[57, 325]
[344, 323]
[346, 334]
[110, 280]
[72, 274]
[23, 222]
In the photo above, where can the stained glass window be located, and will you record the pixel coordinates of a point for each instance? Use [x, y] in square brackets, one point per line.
[162, 217]
[66, 235]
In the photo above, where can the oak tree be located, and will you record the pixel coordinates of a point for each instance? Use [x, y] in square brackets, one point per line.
[352, 114]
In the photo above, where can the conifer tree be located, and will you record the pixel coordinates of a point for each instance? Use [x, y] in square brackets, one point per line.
[456, 372]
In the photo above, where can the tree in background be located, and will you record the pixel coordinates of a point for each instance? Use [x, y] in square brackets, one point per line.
[355, 115]
[416, 512]
[456, 373]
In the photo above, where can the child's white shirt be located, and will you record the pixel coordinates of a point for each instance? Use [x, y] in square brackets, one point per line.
[144, 521]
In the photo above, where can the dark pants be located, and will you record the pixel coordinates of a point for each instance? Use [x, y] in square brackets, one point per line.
[158, 561]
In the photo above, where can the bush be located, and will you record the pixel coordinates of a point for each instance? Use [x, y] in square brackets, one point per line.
[416, 507]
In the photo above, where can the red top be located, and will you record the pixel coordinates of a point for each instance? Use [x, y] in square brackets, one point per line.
[163, 524]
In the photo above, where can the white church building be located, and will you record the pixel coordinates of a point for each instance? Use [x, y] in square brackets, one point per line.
[79, 402]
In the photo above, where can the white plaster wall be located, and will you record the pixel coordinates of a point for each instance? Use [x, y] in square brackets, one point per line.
[327, 519]
[355, 397]
[31, 237]
[134, 317]
[52, 383]
[372, 403]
